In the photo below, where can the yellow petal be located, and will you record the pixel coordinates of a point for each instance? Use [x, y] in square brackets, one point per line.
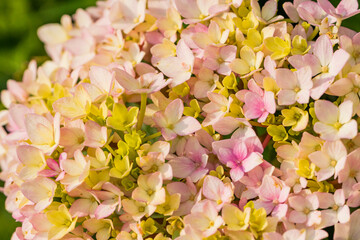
[240, 66]
[39, 130]
[74, 107]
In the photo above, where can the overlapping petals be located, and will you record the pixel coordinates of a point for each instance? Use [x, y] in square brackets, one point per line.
[187, 119]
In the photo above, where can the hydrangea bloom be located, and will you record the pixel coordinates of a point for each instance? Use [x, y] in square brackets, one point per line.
[187, 119]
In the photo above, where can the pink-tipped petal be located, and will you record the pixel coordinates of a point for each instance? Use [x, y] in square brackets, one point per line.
[323, 49]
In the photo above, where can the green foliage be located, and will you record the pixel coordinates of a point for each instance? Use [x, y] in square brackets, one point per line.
[19, 21]
[7, 223]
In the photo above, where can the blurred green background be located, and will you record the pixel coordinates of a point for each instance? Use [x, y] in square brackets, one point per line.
[19, 20]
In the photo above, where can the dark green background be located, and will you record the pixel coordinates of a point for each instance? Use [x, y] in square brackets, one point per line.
[19, 20]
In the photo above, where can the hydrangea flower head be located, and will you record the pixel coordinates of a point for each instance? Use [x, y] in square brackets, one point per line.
[187, 120]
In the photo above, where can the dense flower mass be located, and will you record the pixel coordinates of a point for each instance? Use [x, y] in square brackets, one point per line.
[188, 120]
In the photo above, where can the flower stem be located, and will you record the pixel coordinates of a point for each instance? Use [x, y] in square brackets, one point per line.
[335, 183]
[256, 124]
[245, 83]
[338, 23]
[152, 136]
[142, 111]
[266, 141]
[314, 33]
[110, 149]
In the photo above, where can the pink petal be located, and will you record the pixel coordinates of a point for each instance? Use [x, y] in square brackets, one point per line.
[284, 193]
[217, 98]
[179, 187]
[182, 167]
[323, 47]
[253, 87]
[341, 87]
[326, 200]
[280, 211]
[226, 125]
[354, 199]
[144, 68]
[100, 77]
[228, 53]
[335, 150]
[313, 62]
[213, 188]
[314, 217]
[53, 164]
[253, 160]
[327, 132]
[287, 97]
[329, 218]
[187, 125]
[342, 230]
[104, 210]
[346, 43]
[326, 111]
[240, 150]
[184, 53]
[321, 83]
[224, 69]
[82, 207]
[126, 80]
[348, 130]
[95, 135]
[29, 155]
[326, 6]
[48, 173]
[198, 174]
[291, 11]
[226, 155]
[286, 79]
[211, 63]
[339, 197]
[186, 11]
[304, 77]
[346, 7]
[236, 174]
[269, 206]
[17, 91]
[338, 61]
[303, 96]
[320, 159]
[297, 217]
[297, 203]
[268, 189]
[171, 66]
[263, 117]
[174, 111]
[160, 119]
[254, 106]
[345, 111]
[343, 214]
[324, 174]
[269, 9]
[269, 102]
[311, 12]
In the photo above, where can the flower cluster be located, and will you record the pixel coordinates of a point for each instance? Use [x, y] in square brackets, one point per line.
[188, 120]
